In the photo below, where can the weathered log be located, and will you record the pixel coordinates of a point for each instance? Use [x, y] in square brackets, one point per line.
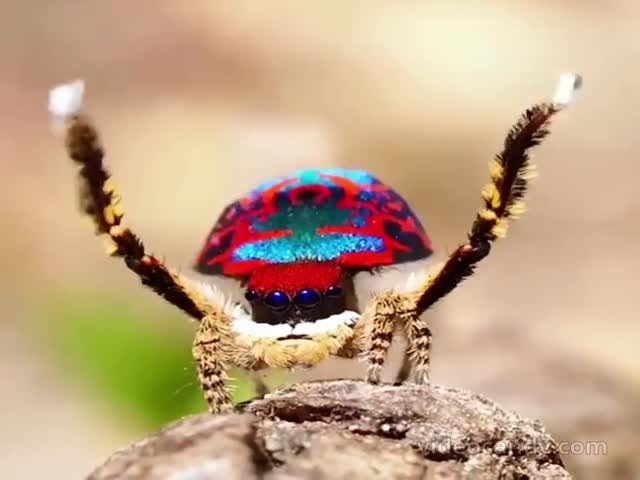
[347, 430]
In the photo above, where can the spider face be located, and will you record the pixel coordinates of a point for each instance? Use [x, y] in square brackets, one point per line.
[296, 243]
[297, 300]
[296, 293]
[307, 305]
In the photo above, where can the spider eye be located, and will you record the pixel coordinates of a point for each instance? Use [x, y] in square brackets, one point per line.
[307, 298]
[251, 295]
[333, 291]
[277, 300]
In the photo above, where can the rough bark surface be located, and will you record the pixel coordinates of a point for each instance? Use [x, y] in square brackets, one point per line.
[347, 430]
[579, 401]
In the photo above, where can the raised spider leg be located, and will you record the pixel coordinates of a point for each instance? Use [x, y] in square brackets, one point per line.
[100, 202]
[510, 173]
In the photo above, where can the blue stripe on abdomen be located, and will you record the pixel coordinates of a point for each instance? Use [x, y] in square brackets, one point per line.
[320, 248]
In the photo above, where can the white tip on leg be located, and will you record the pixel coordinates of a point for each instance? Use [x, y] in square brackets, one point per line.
[66, 100]
[566, 89]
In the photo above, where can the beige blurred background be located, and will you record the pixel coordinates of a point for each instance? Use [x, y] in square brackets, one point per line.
[197, 101]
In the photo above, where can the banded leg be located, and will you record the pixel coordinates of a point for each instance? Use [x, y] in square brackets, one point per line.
[383, 320]
[100, 202]
[209, 355]
[510, 173]
[419, 348]
[389, 311]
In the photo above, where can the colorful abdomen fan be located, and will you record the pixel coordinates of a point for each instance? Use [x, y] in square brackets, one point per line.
[338, 215]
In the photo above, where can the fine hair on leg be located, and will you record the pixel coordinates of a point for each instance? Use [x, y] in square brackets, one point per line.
[510, 173]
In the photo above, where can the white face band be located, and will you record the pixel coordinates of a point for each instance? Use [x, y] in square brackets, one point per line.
[243, 324]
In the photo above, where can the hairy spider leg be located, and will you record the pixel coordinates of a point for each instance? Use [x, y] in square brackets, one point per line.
[99, 200]
[510, 173]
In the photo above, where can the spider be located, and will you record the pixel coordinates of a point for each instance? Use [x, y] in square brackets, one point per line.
[298, 244]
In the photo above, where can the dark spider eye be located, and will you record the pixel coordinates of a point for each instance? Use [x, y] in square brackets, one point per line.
[333, 291]
[251, 295]
[307, 298]
[277, 300]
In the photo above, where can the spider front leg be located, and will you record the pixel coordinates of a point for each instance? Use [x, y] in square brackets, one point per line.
[510, 173]
[209, 355]
[100, 202]
[388, 312]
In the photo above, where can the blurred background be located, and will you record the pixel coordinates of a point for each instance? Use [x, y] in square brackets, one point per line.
[198, 101]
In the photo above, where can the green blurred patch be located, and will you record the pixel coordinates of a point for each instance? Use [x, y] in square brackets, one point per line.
[138, 365]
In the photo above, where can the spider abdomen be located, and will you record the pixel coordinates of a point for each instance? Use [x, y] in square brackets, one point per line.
[327, 215]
